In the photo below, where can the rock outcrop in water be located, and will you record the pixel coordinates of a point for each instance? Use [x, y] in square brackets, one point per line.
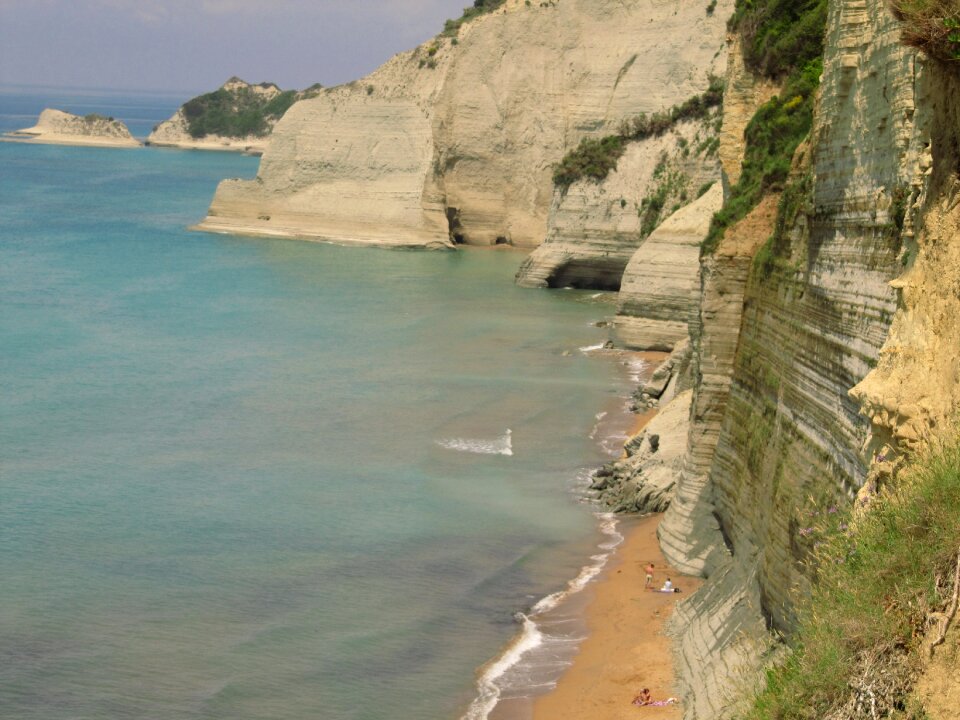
[455, 143]
[237, 117]
[56, 127]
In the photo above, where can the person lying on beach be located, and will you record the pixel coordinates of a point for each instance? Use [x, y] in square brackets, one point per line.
[645, 700]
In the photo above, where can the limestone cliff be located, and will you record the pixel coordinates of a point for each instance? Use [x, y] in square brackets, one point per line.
[56, 127]
[456, 142]
[783, 333]
[660, 287]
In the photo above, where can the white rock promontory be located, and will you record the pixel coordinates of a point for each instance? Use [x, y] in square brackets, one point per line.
[55, 127]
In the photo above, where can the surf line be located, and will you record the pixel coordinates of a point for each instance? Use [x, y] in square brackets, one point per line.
[492, 676]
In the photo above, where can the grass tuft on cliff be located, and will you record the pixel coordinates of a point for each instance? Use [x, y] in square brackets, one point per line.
[480, 7]
[930, 25]
[861, 633]
[596, 158]
[782, 40]
[238, 113]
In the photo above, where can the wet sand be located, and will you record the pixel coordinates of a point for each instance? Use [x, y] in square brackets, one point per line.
[626, 649]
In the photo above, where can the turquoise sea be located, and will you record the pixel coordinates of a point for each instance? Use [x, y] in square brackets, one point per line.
[263, 479]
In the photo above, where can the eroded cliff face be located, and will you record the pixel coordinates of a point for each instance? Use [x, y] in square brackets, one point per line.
[787, 326]
[456, 143]
[659, 292]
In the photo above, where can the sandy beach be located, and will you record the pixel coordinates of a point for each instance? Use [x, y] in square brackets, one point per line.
[626, 649]
[23, 136]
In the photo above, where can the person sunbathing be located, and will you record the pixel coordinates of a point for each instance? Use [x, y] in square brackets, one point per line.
[645, 700]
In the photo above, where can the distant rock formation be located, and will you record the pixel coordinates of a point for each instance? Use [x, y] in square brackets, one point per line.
[455, 141]
[237, 116]
[56, 127]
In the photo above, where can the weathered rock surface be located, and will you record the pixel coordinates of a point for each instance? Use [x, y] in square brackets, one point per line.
[461, 143]
[645, 479]
[595, 228]
[660, 291]
[912, 395]
[774, 436]
[56, 127]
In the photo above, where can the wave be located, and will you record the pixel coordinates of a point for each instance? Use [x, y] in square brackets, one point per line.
[591, 348]
[499, 446]
[495, 675]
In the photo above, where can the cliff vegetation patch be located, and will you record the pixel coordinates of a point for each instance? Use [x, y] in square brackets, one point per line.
[596, 158]
[930, 25]
[480, 7]
[885, 595]
[782, 40]
[239, 112]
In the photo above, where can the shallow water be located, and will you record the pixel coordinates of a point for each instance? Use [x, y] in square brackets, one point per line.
[268, 479]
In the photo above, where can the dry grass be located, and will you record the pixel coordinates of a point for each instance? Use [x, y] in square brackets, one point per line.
[930, 25]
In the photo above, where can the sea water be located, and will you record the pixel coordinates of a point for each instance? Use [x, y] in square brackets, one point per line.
[246, 478]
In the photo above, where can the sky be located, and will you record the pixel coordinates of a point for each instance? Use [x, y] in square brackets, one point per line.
[195, 45]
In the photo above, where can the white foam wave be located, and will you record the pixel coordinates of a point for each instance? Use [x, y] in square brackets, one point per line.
[637, 367]
[530, 638]
[591, 348]
[596, 425]
[488, 694]
[499, 446]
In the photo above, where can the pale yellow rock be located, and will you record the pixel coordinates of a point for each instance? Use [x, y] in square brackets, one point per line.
[55, 127]
[479, 132]
[660, 290]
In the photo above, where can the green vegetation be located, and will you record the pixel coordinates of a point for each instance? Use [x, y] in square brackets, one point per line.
[480, 7]
[861, 633]
[782, 40]
[930, 25]
[669, 183]
[594, 159]
[780, 36]
[236, 113]
[97, 117]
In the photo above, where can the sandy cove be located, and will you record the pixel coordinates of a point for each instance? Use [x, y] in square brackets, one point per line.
[626, 649]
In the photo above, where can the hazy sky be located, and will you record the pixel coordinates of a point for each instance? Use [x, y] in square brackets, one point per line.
[197, 44]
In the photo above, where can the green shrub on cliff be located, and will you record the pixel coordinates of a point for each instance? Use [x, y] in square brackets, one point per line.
[783, 40]
[480, 7]
[861, 633]
[235, 113]
[594, 159]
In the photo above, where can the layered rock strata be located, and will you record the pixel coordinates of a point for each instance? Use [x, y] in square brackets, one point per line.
[594, 229]
[56, 127]
[456, 143]
[775, 438]
[659, 292]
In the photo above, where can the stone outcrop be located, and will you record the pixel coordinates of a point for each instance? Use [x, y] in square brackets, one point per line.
[660, 290]
[56, 127]
[456, 143]
[175, 131]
